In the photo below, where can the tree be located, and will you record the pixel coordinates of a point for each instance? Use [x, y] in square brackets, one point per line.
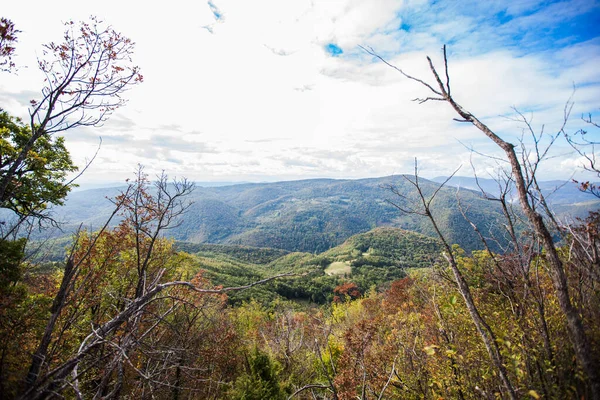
[346, 291]
[260, 380]
[586, 148]
[40, 179]
[423, 206]
[523, 173]
[85, 76]
[8, 38]
[109, 299]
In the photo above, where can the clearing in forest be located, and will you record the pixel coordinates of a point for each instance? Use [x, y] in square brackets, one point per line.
[339, 268]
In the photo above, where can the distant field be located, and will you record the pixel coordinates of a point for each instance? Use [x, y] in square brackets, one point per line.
[338, 268]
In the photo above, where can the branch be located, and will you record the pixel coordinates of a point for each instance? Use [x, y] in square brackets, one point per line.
[227, 289]
[372, 52]
[310, 386]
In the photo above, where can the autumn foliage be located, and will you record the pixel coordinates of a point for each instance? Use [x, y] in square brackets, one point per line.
[346, 291]
[126, 315]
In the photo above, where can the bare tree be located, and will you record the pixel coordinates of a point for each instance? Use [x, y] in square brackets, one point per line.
[67, 286]
[514, 267]
[441, 91]
[587, 149]
[122, 326]
[423, 207]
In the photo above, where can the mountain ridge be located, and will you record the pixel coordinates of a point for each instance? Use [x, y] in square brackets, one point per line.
[310, 215]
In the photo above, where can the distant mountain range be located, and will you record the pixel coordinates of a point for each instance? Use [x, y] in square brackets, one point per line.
[556, 192]
[318, 214]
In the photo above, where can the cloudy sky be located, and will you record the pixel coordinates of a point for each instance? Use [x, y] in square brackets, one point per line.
[239, 90]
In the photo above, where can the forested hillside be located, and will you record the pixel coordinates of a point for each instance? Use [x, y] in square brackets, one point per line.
[315, 215]
[311, 216]
[132, 311]
[379, 314]
[369, 260]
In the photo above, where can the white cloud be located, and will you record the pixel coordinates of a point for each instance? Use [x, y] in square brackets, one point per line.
[262, 94]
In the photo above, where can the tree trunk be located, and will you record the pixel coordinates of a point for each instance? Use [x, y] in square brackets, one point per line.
[577, 334]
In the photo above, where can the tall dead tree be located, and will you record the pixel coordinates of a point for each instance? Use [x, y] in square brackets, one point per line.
[441, 91]
[423, 207]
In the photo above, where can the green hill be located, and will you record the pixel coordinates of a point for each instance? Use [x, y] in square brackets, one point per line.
[307, 216]
[387, 247]
[374, 258]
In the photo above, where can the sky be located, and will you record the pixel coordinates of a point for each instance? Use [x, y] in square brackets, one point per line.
[268, 90]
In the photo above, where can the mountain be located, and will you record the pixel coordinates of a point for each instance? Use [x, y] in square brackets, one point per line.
[564, 197]
[307, 216]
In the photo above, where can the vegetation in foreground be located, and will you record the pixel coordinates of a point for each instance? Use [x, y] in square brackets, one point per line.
[411, 338]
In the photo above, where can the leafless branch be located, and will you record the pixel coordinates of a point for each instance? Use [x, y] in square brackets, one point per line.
[372, 52]
[306, 387]
[521, 173]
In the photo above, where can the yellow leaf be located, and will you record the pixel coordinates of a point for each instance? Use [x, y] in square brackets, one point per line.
[430, 350]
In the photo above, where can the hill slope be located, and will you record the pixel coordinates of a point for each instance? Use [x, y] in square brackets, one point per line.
[377, 257]
[307, 216]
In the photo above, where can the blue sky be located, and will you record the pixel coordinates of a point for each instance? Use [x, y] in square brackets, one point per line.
[271, 90]
[526, 26]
